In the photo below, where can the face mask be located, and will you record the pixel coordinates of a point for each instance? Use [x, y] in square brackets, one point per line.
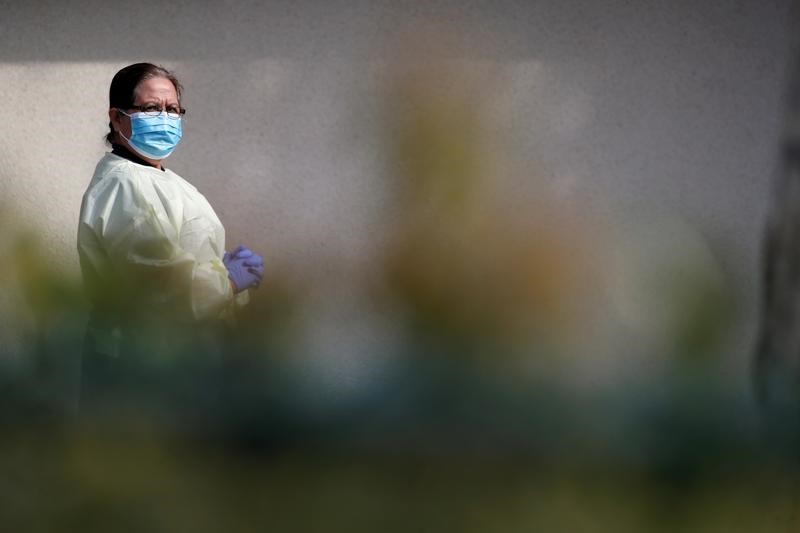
[154, 137]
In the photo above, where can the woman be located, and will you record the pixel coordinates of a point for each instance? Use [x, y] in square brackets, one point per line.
[151, 247]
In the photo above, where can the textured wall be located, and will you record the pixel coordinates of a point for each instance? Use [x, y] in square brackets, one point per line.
[650, 110]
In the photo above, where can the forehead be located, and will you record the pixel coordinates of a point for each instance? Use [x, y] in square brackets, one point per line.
[158, 89]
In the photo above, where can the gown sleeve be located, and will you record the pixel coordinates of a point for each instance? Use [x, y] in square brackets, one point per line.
[161, 265]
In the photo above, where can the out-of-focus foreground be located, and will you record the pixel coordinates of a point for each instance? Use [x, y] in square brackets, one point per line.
[541, 367]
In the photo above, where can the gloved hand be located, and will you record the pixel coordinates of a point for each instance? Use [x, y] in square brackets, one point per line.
[252, 258]
[245, 268]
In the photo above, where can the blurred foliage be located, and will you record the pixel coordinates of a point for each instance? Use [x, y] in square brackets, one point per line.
[459, 432]
[461, 265]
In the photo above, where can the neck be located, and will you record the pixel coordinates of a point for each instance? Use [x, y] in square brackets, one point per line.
[121, 144]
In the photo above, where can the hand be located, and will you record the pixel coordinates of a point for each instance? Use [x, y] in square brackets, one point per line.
[251, 259]
[245, 268]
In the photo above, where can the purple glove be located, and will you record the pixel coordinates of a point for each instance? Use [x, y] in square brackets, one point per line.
[245, 268]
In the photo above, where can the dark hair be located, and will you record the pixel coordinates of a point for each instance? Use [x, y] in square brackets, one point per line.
[123, 86]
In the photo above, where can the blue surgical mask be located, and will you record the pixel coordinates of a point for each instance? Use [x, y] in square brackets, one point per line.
[154, 136]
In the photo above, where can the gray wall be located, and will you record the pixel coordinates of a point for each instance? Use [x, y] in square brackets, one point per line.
[661, 116]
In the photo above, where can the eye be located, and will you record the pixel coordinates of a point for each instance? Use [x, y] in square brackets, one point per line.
[173, 109]
[151, 108]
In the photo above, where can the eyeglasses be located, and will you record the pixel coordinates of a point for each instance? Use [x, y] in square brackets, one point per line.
[153, 110]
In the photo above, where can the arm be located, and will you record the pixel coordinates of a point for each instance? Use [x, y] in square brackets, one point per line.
[161, 266]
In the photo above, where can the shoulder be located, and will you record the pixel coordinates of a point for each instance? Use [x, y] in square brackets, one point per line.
[173, 176]
[114, 173]
[112, 169]
[116, 189]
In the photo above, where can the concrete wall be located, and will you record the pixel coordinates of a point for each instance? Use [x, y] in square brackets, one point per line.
[650, 110]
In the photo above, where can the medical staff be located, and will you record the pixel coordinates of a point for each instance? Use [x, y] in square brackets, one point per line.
[152, 250]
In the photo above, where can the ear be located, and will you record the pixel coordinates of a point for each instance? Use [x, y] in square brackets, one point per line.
[115, 118]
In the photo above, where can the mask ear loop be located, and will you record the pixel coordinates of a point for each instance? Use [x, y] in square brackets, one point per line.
[119, 132]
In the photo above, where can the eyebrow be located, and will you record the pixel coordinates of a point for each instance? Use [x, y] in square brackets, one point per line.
[158, 102]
